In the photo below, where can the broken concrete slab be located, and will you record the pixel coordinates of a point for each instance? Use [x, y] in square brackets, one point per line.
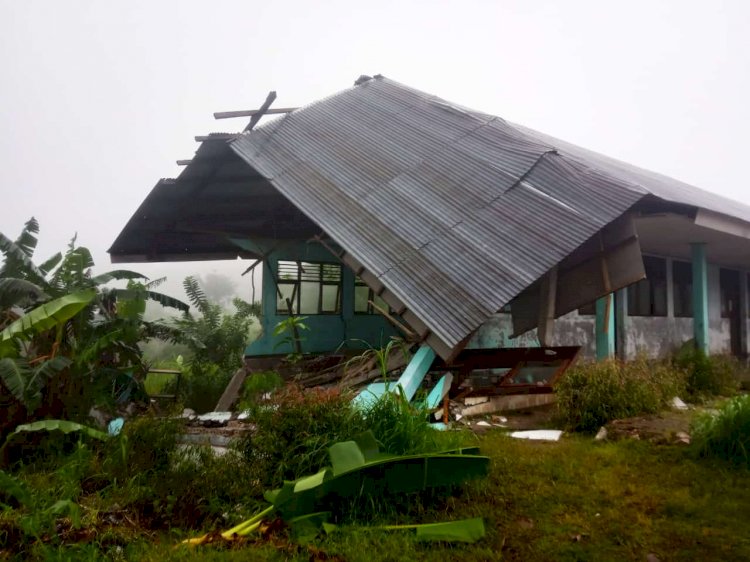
[682, 438]
[678, 404]
[538, 434]
[509, 403]
[214, 419]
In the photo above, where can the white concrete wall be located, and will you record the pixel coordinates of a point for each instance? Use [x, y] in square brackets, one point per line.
[650, 335]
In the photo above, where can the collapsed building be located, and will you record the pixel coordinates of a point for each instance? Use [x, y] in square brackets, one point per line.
[382, 210]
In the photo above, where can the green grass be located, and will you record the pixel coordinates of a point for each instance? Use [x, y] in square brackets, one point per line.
[591, 394]
[572, 500]
[725, 434]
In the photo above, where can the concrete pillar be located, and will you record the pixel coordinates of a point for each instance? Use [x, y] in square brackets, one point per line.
[605, 328]
[700, 297]
[670, 288]
[743, 313]
[621, 323]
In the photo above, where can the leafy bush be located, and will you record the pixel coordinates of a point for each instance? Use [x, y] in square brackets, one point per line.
[726, 434]
[591, 394]
[294, 430]
[216, 341]
[399, 426]
[202, 385]
[172, 485]
[706, 376]
[258, 384]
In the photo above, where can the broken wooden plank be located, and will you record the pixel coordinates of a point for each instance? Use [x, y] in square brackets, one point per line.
[261, 112]
[251, 112]
[215, 136]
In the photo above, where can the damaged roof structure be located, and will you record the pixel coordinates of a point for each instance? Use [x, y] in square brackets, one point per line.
[448, 214]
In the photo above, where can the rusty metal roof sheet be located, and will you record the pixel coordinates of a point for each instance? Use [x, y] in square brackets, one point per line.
[454, 211]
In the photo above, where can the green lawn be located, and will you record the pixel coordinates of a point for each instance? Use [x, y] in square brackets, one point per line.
[572, 500]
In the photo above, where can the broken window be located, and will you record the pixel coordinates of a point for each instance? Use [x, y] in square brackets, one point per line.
[310, 288]
[648, 297]
[682, 289]
[364, 297]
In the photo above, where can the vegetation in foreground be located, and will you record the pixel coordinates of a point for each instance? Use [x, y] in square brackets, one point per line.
[591, 394]
[68, 342]
[572, 500]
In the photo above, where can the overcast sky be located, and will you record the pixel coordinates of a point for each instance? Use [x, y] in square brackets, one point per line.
[99, 98]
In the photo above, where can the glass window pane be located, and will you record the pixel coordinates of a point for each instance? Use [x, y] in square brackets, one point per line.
[361, 296]
[309, 297]
[286, 289]
[331, 298]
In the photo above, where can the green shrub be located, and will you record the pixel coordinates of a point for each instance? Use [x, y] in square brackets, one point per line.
[202, 385]
[401, 427]
[591, 394]
[725, 434]
[256, 385]
[294, 430]
[146, 445]
[706, 376]
[177, 486]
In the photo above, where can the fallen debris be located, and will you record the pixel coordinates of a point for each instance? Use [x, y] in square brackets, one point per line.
[682, 438]
[678, 404]
[538, 434]
[358, 467]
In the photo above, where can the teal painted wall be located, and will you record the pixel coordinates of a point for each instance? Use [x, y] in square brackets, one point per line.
[327, 332]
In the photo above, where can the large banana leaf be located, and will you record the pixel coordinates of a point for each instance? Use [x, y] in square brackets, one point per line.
[17, 261]
[25, 382]
[18, 292]
[358, 468]
[58, 425]
[162, 299]
[48, 315]
[116, 275]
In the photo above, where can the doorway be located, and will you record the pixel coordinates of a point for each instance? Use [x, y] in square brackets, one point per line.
[729, 283]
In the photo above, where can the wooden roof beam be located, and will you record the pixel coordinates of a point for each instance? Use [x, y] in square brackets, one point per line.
[252, 112]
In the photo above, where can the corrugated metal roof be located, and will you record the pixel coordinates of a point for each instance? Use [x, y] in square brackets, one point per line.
[454, 211]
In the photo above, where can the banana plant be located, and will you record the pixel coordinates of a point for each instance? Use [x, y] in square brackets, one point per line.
[358, 468]
[58, 320]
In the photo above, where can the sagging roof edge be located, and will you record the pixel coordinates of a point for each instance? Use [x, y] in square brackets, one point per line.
[446, 352]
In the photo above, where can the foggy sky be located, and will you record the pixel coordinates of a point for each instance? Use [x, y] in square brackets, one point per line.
[98, 98]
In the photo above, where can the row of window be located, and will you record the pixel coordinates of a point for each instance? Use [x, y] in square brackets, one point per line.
[315, 288]
[648, 297]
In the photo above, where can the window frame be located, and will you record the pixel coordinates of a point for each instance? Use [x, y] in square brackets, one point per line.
[682, 290]
[323, 280]
[637, 292]
[371, 298]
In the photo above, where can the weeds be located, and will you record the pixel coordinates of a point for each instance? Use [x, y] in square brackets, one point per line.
[725, 434]
[294, 430]
[257, 385]
[591, 394]
[401, 427]
[707, 376]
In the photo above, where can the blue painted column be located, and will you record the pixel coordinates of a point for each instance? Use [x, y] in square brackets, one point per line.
[700, 296]
[621, 323]
[605, 328]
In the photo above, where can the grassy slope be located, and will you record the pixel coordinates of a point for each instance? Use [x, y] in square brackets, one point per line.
[572, 500]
